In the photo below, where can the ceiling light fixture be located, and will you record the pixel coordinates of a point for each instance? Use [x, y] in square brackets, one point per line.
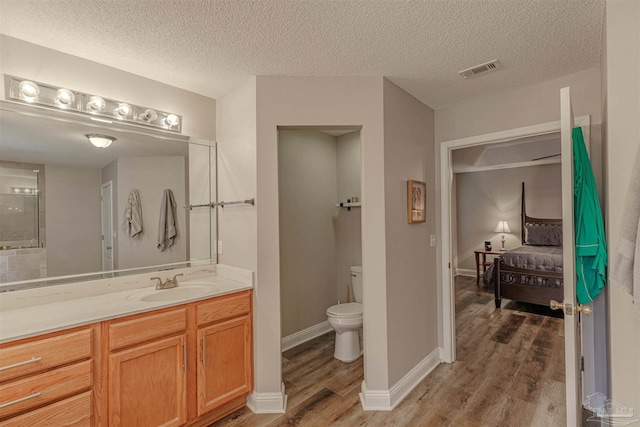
[100, 141]
[44, 95]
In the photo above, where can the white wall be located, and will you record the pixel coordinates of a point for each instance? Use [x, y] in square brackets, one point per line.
[38, 63]
[73, 220]
[348, 223]
[307, 196]
[411, 286]
[622, 106]
[484, 198]
[151, 176]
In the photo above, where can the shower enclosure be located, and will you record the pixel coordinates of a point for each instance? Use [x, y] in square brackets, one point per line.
[22, 252]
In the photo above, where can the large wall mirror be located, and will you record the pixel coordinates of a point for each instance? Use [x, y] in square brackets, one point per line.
[71, 209]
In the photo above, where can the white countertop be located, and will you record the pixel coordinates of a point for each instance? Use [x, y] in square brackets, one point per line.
[36, 311]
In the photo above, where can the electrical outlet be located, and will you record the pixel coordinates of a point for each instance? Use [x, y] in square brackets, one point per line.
[433, 240]
[219, 247]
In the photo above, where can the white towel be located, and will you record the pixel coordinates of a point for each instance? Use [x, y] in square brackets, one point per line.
[132, 215]
[167, 230]
[626, 268]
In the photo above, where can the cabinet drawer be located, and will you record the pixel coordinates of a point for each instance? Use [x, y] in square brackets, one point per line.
[36, 356]
[146, 328]
[72, 412]
[222, 308]
[26, 393]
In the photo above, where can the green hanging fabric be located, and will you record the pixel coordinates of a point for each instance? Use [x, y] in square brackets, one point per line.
[591, 249]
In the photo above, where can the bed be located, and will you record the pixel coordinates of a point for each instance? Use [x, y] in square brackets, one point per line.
[532, 273]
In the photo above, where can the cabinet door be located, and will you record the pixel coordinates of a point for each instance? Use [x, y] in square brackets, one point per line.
[148, 385]
[225, 362]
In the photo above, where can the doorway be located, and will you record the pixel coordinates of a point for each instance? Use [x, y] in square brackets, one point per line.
[446, 150]
[319, 188]
[106, 203]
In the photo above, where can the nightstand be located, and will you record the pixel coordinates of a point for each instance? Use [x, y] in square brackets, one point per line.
[485, 263]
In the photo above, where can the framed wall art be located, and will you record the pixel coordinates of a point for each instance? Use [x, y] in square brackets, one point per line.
[416, 201]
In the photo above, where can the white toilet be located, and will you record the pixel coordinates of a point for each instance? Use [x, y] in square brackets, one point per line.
[346, 320]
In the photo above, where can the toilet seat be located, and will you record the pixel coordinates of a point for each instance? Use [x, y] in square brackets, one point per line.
[345, 311]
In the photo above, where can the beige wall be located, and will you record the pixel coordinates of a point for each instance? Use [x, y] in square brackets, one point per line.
[151, 176]
[307, 195]
[521, 107]
[411, 263]
[73, 240]
[38, 63]
[622, 106]
[236, 124]
[348, 223]
[484, 198]
[330, 101]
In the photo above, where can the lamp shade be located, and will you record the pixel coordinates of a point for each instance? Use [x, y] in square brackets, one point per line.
[502, 227]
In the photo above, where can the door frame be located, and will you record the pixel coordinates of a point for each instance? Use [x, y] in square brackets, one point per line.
[109, 238]
[448, 329]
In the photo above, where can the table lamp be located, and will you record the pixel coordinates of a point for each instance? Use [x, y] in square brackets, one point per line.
[502, 227]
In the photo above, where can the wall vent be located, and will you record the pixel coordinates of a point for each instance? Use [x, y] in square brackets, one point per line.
[479, 69]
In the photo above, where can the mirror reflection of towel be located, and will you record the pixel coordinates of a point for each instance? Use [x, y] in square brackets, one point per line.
[132, 215]
[167, 230]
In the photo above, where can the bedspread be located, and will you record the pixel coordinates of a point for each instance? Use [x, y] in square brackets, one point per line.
[538, 258]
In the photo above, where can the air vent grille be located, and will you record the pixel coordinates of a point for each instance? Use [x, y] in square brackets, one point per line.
[479, 69]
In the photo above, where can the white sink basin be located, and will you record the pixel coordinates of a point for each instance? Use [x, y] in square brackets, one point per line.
[182, 292]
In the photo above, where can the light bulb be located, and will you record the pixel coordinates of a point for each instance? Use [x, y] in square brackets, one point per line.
[123, 110]
[172, 120]
[64, 97]
[29, 91]
[95, 104]
[149, 115]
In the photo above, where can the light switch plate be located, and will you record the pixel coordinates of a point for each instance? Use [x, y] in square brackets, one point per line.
[433, 240]
[219, 247]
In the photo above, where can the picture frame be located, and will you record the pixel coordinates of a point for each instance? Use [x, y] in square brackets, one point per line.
[416, 201]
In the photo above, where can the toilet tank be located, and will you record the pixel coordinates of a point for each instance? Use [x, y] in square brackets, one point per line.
[356, 282]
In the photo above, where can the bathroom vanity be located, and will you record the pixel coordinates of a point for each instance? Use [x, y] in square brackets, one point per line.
[126, 355]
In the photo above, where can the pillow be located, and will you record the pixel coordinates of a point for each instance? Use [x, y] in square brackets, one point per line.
[544, 235]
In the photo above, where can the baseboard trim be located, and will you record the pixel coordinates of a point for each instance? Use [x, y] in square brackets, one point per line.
[465, 272]
[268, 403]
[305, 335]
[387, 400]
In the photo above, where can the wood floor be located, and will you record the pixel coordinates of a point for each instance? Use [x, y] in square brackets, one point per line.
[509, 372]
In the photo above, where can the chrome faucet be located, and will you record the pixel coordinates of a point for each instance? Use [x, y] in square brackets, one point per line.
[169, 283]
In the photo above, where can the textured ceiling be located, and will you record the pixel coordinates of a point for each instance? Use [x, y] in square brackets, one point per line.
[211, 46]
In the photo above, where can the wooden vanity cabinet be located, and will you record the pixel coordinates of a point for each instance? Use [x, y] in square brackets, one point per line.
[185, 365]
[48, 380]
[189, 364]
[225, 354]
[147, 369]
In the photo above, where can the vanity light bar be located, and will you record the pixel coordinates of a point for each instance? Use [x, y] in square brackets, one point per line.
[100, 108]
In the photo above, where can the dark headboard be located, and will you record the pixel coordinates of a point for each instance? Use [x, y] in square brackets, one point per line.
[531, 220]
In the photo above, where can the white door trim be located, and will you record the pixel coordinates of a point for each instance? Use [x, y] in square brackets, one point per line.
[448, 293]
